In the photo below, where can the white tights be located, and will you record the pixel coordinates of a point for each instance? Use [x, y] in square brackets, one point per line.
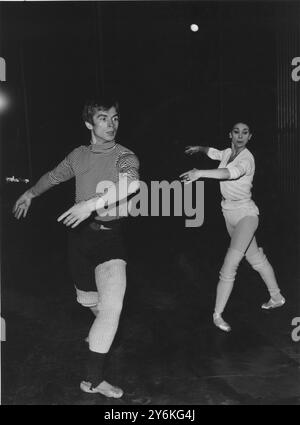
[242, 243]
[106, 303]
[111, 285]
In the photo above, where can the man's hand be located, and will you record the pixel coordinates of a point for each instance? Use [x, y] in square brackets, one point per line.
[76, 214]
[190, 176]
[22, 205]
[191, 150]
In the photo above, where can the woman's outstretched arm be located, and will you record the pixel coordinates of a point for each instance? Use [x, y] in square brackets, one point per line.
[218, 173]
[191, 150]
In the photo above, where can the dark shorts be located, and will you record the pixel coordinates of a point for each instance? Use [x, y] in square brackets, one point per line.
[91, 245]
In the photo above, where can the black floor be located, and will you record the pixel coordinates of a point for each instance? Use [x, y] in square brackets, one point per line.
[167, 350]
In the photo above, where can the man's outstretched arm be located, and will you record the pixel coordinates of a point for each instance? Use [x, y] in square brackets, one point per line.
[22, 204]
[59, 174]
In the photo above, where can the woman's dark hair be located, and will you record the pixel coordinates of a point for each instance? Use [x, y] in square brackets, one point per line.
[241, 122]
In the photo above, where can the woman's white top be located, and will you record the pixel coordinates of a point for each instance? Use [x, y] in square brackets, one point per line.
[236, 191]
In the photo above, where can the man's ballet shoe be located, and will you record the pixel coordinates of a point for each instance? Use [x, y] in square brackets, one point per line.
[104, 388]
[273, 304]
[221, 324]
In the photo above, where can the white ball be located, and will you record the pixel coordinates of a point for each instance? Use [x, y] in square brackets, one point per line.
[194, 27]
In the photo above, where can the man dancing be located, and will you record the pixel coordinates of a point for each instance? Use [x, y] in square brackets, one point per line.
[106, 173]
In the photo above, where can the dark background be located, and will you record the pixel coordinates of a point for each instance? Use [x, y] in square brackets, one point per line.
[175, 88]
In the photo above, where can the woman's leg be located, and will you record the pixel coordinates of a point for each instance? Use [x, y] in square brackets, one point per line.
[259, 262]
[241, 237]
[243, 233]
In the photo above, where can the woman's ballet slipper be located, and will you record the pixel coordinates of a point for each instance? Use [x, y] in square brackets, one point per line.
[104, 388]
[221, 324]
[273, 304]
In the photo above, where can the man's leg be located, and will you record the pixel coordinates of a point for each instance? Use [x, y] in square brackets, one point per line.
[94, 310]
[88, 299]
[241, 236]
[111, 285]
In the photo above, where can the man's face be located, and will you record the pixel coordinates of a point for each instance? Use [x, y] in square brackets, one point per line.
[105, 125]
[240, 135]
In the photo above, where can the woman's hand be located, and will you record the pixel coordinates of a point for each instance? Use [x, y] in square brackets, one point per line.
[191, 150]
[76, 214]
[190, 176]
[22, 205]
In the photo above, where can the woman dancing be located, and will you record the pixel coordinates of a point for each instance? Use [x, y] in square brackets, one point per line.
[236, 172]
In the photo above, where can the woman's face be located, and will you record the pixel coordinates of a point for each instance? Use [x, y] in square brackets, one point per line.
[240, 135]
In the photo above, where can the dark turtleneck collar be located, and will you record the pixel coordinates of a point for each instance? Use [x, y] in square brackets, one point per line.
[103, 148]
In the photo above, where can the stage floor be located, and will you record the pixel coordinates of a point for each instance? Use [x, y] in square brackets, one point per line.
[167, 351]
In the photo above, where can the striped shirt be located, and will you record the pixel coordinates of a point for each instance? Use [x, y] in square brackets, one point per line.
[90, 167]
